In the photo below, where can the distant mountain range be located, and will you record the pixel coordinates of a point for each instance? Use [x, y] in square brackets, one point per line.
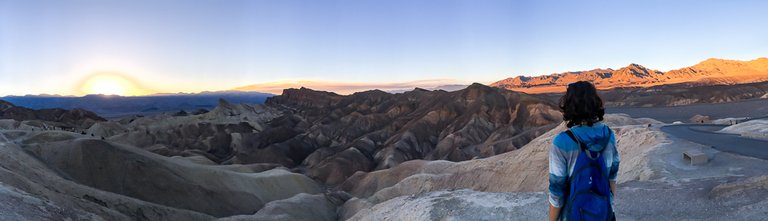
[449, 88]
[709, 72]
[344, 87]
[112, 106]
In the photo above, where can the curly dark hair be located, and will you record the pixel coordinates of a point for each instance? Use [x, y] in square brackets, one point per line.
[581, 104]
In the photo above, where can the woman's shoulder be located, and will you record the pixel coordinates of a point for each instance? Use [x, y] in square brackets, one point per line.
[564, 142]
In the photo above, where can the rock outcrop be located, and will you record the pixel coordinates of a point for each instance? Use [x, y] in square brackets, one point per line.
[216, 134]
[106, 129]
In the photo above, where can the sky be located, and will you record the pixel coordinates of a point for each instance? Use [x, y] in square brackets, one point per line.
[164, 46]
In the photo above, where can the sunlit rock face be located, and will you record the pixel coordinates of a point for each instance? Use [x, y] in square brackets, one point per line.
[683, 94]
[710, 72]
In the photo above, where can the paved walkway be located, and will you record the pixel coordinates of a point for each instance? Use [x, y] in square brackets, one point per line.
[756, 107]
[732, 143]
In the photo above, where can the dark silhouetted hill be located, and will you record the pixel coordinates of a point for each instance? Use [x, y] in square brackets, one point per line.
[111, 106]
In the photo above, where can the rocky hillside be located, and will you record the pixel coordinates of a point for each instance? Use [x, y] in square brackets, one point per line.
[53, 117]
[332, 136]
[683, 94]
[710, 71]
[214, 135]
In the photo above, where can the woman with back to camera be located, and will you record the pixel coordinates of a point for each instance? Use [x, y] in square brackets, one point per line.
[583, 160]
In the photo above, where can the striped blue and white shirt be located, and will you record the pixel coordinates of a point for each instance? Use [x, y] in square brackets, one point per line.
[565, 151]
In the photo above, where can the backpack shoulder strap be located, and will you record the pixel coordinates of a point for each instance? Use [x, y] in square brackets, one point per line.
[573, 136]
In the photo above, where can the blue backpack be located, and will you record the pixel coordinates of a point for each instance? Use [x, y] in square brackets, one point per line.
[588, 195]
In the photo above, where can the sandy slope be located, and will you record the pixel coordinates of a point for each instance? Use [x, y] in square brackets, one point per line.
[120, 182]
[23, 172]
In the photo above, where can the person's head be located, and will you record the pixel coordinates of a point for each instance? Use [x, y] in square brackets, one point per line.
[581, 104]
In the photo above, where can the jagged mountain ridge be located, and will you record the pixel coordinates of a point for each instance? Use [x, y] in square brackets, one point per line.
[710, 71]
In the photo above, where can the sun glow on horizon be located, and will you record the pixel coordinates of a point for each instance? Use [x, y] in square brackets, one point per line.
[110, 84]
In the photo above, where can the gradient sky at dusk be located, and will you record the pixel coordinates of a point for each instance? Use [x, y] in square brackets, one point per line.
[190, 46]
